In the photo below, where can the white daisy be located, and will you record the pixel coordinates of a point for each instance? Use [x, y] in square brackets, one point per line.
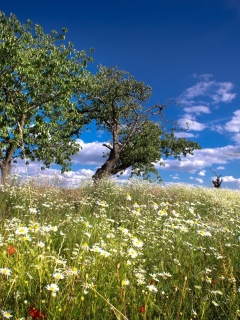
[152, 288]
[132, 253]
[137, 243]
[7, 314]
[55, 228]
[52, 287]
[21, 230]
[5, 271]
[125, 282]
[154, 206]
[58, 275]
[128, 197]
[41, 244]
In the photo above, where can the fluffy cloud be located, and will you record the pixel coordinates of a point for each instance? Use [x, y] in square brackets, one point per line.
[184, 134]
[220, 168]
[199, 180]
[205, 76]
[231, 179]
[236, 138]
[197, 109]
[193, 125]
[91, 153]
[201, 159]
[217, 128]
[202, 173]
[234, 124]
[176, 176]
[217, 91]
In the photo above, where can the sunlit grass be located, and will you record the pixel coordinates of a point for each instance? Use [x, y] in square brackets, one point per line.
[108, 251]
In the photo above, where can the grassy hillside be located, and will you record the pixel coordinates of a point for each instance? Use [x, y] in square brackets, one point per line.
[119, 252]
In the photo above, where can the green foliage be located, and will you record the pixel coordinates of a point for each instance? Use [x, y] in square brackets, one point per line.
[36, 76]
[147, 147]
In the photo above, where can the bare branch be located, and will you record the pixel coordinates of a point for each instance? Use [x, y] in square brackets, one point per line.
[109, 147]
[130, 134]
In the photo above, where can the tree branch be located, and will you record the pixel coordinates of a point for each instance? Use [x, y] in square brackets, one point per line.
[109, 147]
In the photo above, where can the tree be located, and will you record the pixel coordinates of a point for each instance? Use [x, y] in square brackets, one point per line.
[217, 183]
[136, 141]
[37, 81]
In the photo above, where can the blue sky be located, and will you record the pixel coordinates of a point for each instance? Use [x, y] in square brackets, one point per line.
[183, 49]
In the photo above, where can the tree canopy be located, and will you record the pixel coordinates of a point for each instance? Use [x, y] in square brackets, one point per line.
[136, 141]
[37, 82]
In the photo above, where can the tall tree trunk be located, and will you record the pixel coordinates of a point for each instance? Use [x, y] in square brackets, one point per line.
[6, 167]
[107, 167]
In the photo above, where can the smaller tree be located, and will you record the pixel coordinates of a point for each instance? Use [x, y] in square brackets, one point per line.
[217, 183]
[136, 141]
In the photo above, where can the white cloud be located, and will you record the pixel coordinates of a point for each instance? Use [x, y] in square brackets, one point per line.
[197, 109]
[199, 180]
[191, 178]
[184, 134]
[193, 125]
[234, 124]
[231, 179]
[176, 176]
[236, 137]
[205, 76]
[220, 168]
[91, 153]
[71, 178]
[202, 173]
[217, 128]
[218, 91]
[201, 159]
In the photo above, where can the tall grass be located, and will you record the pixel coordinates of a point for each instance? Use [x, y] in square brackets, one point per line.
[107, 251]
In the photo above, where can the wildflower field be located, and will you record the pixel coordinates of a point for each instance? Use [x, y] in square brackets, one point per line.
[108, 251]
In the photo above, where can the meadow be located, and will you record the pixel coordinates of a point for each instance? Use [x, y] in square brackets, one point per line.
[108, 251]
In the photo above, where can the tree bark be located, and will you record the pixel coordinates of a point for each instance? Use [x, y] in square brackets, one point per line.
[6, 167]
[108, 166]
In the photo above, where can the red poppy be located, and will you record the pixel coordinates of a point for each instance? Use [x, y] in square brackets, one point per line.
[11, 250]
[35, 313]
[151, 282]
[214, 281]
[141, 309]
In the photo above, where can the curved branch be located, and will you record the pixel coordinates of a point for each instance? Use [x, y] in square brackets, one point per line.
[107, 146]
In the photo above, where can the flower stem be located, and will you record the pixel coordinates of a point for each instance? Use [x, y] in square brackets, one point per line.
[48, 304]
[185, 280]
